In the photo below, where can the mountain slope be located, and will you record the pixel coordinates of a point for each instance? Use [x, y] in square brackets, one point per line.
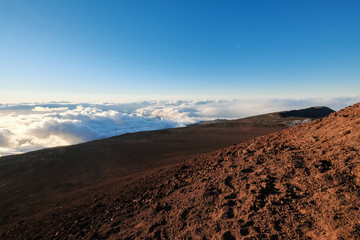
[300, 183]
[32, 182]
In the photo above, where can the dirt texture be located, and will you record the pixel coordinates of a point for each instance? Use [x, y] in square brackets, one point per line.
[33, 182]
[300, 183]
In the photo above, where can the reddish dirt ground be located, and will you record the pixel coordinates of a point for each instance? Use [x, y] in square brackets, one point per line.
[32, 182]
[300, 183]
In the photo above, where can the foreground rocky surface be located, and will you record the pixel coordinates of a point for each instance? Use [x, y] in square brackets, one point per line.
[300, 183]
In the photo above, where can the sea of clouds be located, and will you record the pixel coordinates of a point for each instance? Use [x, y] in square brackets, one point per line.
[31, 126]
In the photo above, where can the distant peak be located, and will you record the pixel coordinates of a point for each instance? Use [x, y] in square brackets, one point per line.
[312, 112]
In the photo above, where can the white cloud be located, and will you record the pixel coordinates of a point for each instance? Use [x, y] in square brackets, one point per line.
[4, 137]
[25, 127]
[47, 109]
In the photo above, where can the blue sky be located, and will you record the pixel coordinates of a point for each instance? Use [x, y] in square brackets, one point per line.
[130, 50]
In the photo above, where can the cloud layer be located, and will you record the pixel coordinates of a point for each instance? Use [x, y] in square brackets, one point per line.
[26, 127]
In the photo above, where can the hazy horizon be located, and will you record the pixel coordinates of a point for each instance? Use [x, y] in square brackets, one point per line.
[32, 126]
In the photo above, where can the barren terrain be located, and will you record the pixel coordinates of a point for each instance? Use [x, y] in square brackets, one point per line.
[268, 187]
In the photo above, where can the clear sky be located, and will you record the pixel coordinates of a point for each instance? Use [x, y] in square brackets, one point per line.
[121, 50]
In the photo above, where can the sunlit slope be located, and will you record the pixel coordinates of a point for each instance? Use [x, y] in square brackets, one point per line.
[30, 181]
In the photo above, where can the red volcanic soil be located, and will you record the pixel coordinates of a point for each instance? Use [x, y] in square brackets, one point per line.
[33, 182]
[300, 183]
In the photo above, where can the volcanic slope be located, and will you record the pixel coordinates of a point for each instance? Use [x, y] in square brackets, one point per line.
[300, 183]
[31, 182]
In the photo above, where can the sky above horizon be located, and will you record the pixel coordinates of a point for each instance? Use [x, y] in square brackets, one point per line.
[96, 51]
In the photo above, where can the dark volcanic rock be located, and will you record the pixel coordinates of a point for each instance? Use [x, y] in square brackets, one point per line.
[313, 112]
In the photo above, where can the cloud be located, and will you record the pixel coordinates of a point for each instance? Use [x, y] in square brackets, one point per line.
[30, 126]
[35, 128]
[4, 137]
[47, 109]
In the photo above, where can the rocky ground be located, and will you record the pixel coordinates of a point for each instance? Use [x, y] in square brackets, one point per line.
[33, 182]
[300, 183]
